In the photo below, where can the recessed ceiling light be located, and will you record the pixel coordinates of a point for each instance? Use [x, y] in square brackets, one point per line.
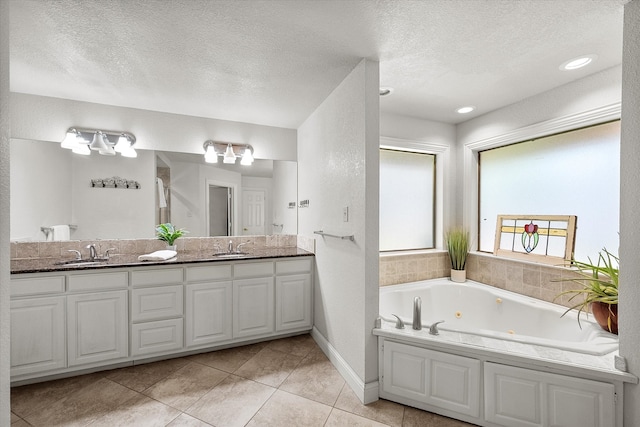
[575, 63]
[384, 91]
[465, 110]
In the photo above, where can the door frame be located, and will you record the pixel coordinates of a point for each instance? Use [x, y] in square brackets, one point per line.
[234, 203]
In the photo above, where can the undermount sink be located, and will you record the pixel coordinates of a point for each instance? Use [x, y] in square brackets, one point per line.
[80, 263]
[231, 255]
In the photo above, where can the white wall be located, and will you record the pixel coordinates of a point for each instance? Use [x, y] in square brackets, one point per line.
[5, 134]
[630, 209]
[285, 180]
[338, 167]
[40, 188]
[47, 119]
[113, 213]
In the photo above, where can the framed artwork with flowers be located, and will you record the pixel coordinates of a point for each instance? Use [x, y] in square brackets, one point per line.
[549, 239]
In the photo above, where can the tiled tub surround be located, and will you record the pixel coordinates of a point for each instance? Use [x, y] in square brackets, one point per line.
[539, 281]
[43, 256]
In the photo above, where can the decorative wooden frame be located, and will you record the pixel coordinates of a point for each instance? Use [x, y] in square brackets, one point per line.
[568, 233]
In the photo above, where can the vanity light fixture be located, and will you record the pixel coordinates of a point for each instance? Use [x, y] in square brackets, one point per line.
[228, 151]
[106, 143]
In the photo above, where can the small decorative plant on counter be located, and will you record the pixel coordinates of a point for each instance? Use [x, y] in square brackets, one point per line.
[599, 289]
[457, 242]
[168, 233]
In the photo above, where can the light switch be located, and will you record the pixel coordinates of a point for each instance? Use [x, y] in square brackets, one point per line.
[345, 214]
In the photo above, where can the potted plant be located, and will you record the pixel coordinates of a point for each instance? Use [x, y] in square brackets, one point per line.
[168, 233]
[599, 289]
[457, 242]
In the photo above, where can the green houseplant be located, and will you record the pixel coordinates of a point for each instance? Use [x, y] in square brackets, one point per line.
[168, 233]
[457, 243]
[598, 288]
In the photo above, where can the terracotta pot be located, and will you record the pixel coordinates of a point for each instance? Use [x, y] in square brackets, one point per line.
[606, 314]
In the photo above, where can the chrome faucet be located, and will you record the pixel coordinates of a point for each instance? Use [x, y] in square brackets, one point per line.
[78, 254]
[230, 246]
[433, 329]
[417, 313]
[92, 252]
[241, 245]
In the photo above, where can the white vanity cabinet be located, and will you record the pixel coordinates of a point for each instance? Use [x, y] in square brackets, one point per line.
[293, 295]
[97, 322]
[156, 310]
[38, 333]
[253, 299]
[97, 327]
[88, 319]
[208, 305]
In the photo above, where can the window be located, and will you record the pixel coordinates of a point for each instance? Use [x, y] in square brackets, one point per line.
[407, 182]
[572, 173]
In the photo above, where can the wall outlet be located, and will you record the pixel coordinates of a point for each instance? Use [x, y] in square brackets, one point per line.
[345, 214]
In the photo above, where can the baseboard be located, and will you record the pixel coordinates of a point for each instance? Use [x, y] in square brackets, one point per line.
[368, 392]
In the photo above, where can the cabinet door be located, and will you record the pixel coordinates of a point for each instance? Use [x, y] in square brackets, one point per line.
[97, 327]
[439, 379]
[253, 307]
[525, 398]
[293, 302]
[37, 335]
[208, 313]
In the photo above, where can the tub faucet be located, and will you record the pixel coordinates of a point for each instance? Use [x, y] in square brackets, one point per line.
[433, 329]
[399, 322]
[417, 313]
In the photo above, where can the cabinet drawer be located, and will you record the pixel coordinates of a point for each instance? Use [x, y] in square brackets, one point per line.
[156, 337]
[156, 303]
[161, 276]
[294, 266]
[254, 269]
[98, 281]
[37, 285]
[209, 272]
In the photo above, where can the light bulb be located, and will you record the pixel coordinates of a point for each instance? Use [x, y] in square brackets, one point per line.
[247, 157]
[70, 140]
[210, 156]
[129, 152]
[123, 144]
[229, 155]
[97, 144]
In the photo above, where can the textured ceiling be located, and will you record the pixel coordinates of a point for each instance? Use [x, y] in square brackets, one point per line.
[273, 62]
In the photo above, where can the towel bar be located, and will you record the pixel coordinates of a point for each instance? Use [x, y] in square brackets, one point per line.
[343, 237]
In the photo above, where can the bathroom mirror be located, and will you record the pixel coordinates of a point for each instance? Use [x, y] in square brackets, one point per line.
[52, 186]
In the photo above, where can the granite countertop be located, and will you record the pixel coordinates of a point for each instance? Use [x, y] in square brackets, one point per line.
[42, 265]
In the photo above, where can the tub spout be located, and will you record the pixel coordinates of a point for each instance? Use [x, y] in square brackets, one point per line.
[399, 322]
[417, 313]
[433, 329]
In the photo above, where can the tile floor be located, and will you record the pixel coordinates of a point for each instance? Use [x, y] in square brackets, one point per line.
[286, 382]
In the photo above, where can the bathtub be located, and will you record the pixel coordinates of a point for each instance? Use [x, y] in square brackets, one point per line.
[477, 309]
